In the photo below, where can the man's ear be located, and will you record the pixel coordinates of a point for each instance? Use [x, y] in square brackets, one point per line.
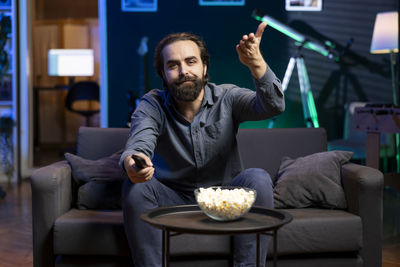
[204, 70]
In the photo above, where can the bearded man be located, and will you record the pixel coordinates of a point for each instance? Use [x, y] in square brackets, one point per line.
[186, 135]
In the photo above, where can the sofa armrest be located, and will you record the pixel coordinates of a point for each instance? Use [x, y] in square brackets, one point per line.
[51, 197]
[363, 187]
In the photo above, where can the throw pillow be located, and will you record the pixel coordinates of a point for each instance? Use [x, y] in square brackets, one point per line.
[100, 181]
[105, 195]
[311, 181]
[85, 170]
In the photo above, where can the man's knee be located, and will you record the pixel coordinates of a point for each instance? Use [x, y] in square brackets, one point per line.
[260, 180]
[137, 193]
[258, 177]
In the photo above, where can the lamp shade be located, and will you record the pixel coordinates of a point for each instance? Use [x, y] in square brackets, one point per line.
[386, 33]
[70, 62]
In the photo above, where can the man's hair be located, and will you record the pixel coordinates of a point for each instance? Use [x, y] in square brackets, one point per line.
[175, 37]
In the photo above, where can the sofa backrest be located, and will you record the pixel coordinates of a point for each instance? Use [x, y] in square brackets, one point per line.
[264, 148]
[95, 143]
[259, 148]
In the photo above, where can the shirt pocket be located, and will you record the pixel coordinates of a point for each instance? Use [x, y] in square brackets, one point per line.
[218, 138]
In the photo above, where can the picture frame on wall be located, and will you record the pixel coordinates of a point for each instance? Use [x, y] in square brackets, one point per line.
[139, 5]
[303, 5]
[222, 2]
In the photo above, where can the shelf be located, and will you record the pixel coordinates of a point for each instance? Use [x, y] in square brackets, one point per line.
[6, 103]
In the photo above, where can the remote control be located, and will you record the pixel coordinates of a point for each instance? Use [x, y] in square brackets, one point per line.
[139, 161]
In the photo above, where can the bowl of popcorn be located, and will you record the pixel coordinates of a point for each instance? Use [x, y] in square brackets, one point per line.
[225, 203]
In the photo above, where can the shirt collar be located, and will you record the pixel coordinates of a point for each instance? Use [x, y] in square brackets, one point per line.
[208, 98]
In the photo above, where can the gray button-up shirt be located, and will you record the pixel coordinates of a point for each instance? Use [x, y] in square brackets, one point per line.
[202, 153]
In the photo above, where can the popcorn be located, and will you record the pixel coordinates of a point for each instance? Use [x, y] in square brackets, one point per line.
[225, 204]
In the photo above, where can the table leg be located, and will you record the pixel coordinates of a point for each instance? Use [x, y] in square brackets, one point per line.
[258, 250]
[372, 155]
[163, 260]
[167, 248]
[275, 247]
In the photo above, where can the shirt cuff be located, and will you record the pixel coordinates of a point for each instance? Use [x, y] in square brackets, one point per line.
[268, 78]
[125, 154]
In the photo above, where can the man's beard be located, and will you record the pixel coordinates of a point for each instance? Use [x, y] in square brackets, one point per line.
[188, 91]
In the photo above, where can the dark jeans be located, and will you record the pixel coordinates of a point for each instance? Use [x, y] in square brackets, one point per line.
[145, 240]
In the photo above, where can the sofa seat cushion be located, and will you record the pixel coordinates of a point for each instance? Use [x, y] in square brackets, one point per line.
[90, 232]
[93, 232]
[319, 231]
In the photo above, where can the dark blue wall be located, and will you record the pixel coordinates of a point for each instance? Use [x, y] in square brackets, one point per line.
[364, 77]
[220, 27]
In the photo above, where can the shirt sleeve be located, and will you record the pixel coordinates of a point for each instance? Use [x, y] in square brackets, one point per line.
[266, 102]
[146, 123]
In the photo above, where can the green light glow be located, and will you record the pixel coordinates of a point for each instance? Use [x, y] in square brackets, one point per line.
[300, 40]
[281, 29]
[312, 109]
[330, 44]
[316, 49]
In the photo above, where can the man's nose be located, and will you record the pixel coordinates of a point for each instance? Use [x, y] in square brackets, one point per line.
[183, 70]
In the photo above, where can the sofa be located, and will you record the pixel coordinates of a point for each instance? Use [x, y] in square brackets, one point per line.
[64, 235]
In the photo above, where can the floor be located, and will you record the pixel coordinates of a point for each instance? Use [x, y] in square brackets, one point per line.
[16, 226]
[16, 232]
[16, 222]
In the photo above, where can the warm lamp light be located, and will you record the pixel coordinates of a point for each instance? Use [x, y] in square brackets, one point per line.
[385, 40]
[71, 63]
[386, 33]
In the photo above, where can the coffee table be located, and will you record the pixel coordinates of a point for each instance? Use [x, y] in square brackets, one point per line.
[191, 220]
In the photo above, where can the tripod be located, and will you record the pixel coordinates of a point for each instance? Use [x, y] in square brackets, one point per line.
[307, 99]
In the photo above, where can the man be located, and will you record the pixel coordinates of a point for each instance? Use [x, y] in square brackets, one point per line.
[186, 136]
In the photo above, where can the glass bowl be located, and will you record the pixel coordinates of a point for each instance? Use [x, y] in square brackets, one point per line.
[225, 203]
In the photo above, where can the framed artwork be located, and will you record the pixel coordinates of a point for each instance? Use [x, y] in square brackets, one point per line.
[139, 5]
[303, 5]
[222, 2]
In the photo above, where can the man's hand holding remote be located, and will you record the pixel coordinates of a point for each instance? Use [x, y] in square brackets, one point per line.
[139, 170]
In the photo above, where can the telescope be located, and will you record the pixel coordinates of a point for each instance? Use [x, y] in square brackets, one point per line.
[300, 39]
[309, 110]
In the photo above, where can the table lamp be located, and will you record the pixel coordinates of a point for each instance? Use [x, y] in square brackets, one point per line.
[71, 63]
[385, 41]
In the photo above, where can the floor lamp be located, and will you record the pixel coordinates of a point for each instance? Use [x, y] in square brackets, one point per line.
[385, 41]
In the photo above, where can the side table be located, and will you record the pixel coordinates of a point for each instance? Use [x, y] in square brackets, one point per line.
[190, 219]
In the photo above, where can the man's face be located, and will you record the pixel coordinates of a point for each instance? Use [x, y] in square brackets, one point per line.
[184, 70]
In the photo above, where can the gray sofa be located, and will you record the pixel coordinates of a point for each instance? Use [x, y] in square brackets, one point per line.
[66, 236]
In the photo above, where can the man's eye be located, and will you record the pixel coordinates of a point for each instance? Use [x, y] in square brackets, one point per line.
[172, 66]
[192, 61]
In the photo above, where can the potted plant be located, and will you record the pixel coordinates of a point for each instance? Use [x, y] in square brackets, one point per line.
[5, 30]
[6, 146]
